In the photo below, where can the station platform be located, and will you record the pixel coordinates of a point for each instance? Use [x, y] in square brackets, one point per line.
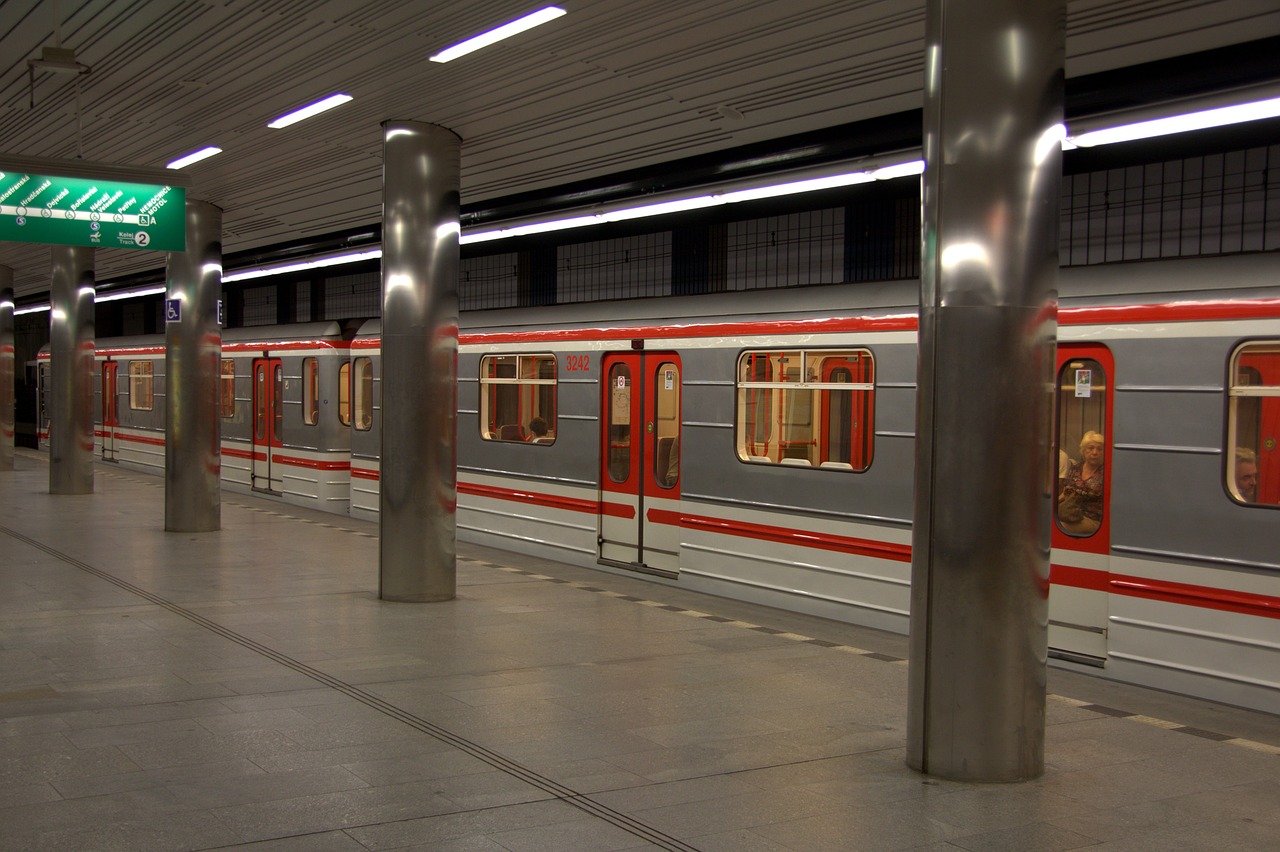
[246, 688]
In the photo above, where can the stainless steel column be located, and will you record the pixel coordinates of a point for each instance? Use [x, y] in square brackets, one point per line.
[71, 371]
[6, 368]
[193, 348]
[980, 543]
[419, 485]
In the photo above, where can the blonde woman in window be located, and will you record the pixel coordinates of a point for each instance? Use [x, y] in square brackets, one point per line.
[1080, 503]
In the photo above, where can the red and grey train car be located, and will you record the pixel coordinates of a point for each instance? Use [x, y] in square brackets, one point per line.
[760, 446]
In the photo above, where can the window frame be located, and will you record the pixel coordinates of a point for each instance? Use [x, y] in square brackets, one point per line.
[535, 395]
[1237, 392]
[310, 391]
[361, 413]
[796, 409]
[140, 380]
[344, 393]
[227, 388]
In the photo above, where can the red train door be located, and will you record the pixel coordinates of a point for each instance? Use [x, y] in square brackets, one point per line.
[640, 461]
[1078, 598]
[268, 387]
[110, 410]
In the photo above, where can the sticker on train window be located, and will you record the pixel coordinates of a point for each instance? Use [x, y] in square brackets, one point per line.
[1084, 383]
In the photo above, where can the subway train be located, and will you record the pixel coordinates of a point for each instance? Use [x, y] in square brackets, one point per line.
[759, 446]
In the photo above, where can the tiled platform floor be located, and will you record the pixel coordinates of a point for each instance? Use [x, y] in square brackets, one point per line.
[246, 687]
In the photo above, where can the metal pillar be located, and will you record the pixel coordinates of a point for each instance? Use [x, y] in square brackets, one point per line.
[71, 371]
[419, 482]
[6, 368]
[193, 349]
[983, 483]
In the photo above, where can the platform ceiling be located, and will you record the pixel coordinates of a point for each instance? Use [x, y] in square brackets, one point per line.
[611, 86]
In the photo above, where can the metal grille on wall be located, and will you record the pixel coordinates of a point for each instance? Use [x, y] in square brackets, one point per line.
[348, 296]
[260, 305]
[302, 310]
[490, 281]
[786, 251]
[624, 268]
[1223, 203]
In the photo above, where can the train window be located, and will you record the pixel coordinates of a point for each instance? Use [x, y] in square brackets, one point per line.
[277, 403]
[806, 408]
[518, 398]
[310, 391]
[666, 460]
[141, 397]
[1082, 446]
[619, 422]
[344, 394]
[1252, 468]
[362, 394]
[227, 388]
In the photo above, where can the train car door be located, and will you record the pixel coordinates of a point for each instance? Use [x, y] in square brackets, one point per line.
[1080, 573]
[268, 410]
[640, 462]
[110, 410]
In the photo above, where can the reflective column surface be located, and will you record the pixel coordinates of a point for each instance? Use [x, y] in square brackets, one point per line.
[418, 501]
[71, 356]
[6, 368]
[193, 347]
[979, 607]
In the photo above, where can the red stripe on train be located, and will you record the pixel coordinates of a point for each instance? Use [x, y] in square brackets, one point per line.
[311, 464]
[571, 504]
[786, 535]
[1167, 591]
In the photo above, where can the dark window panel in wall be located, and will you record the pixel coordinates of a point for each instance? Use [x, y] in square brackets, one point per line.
[1207, 204]
[631, 267]
[488, 281]
[286, 301]
[698, 259]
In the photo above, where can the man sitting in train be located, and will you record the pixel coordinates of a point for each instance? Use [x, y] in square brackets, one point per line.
[538, 430]
[1246, 476]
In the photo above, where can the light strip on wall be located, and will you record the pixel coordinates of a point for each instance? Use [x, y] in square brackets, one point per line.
[30, 309]
[310, 110]
[128, 294]
[1200, 120]
[314, 263]
[519, 25]
[194, 157]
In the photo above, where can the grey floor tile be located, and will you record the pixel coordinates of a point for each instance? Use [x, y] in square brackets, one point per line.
[330, 811]
[430, 831]
[580, 835]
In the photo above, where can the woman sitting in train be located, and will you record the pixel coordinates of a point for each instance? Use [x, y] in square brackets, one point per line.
[1080, 501]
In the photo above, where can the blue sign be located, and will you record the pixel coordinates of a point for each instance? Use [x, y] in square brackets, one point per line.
[173, 310]
[219, 312]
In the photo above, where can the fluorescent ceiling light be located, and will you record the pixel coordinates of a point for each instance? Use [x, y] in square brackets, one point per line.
[1200, 120]
[679, 205]
[314, 263]
[30, 309]
[194, 157]
[128, 294]
[915, 167]
[308, 111]
[848, 179]
[485, 39]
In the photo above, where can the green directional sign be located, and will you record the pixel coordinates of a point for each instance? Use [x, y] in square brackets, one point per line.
[86, 212]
